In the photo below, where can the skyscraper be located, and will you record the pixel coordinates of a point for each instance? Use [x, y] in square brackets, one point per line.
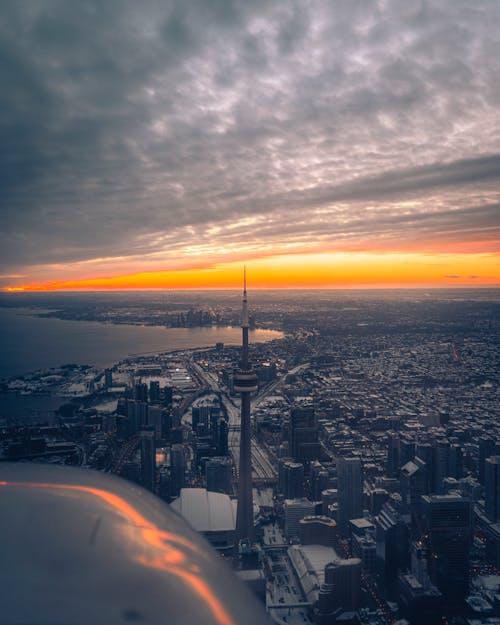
[218, 475]
[177, 468]
[245, 382]
[290, 478]
[154, 391]
[222, 437]
[487, 447]
[108, 378]
[344, 577]
[446, 534]
[441, 464]
[393, 444]
[148, 459]
[413, 480]
[492, 488]
[350, 487]
[392, 538]
[295, 510]
[406, 450]
[304, 441]
[141, 392]
[426, 453]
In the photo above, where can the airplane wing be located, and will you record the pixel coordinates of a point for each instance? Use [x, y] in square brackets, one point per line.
[81, 547]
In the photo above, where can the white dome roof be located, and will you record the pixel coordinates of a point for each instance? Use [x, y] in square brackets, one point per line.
[206, 511]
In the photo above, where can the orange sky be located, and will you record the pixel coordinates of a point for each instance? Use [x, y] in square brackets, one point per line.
[326, 270]
[322, 165]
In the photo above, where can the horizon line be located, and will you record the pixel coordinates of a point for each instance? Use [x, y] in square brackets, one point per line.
[475, 287]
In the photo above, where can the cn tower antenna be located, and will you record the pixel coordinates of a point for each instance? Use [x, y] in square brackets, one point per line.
[245, 321]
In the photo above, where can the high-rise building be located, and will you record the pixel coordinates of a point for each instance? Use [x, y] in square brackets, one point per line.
[137, 414]
[295, 510]
[166, 424]
[290, 478]
[344, 577]
[393, 454]
[425, 452]
[378, 497]
[108, 378]
[456, 461]
[492, 488]
[245, 383]
[218, 475]
[154, 391]
[329, 498]
[148, 458]
[177, 469]
[487, 448]
[326, 604]
[413, 480]
[392, 539]
[222, 437]
[419, 600]
[141, 392]
[200, 415]
[155, 420]
[164, 483]
[446, 536]
[215, 415]
[441, 464]
[364, 547]
[406, 450]
[304, 442]
[168, 394]
[350, 492]
[319, 480]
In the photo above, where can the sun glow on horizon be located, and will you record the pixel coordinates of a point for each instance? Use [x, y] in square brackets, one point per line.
[313, 271]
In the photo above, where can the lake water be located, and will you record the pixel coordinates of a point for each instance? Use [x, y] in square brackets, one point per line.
[29, 343]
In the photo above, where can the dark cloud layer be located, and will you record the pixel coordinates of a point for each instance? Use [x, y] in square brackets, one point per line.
[153, 129]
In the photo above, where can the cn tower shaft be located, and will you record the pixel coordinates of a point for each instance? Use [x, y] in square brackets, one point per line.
[245, 382]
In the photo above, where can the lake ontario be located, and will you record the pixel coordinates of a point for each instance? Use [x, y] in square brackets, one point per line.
[29, 343]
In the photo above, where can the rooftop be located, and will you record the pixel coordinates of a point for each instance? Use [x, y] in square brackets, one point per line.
[206, 511]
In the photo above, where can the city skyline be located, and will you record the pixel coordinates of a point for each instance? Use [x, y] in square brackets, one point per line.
[325, 145]
[351, 456]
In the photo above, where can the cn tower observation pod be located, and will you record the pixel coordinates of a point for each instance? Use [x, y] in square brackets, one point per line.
[245, 381]
[85, 548]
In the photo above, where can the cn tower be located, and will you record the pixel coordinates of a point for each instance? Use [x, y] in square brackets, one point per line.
[245, 382]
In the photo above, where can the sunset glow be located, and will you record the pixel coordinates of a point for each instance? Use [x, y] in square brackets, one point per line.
[341, 270]
[324, 146]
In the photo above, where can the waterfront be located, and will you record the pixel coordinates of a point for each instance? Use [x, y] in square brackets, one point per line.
[30, 343]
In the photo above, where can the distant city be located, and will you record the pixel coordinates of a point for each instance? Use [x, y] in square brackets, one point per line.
[348, 440]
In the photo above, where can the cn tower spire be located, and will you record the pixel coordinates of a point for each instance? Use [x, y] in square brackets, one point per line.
[245, 382]
[244, 310]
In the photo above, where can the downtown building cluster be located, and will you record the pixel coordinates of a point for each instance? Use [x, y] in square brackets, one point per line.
[374, 462]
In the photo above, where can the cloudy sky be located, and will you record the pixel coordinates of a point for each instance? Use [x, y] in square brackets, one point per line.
[322, 142]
